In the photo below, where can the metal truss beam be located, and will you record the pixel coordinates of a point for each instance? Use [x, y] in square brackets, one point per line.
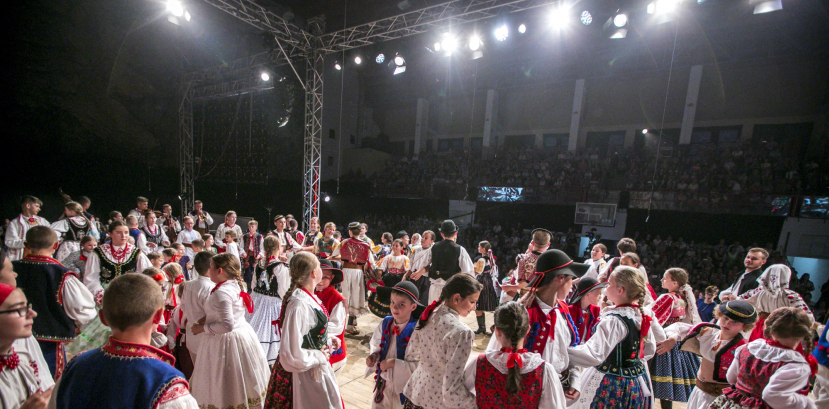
[295, 40]
[420, 21]
[233, 88]
[312, 156]
[186, 175]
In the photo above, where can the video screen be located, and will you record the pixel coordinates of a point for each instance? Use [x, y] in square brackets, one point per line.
[500, 194]
[780, 206]
[814, 207]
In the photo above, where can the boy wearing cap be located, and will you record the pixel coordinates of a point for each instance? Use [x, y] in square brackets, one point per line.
[404, 236]
[355, 254]
[335, 303]
[584, 306]
[443, 260]
[526, 262]
[552, 329]
[715, 344]
[389, 342]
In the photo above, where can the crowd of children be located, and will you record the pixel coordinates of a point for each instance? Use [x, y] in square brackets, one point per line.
[260, 322]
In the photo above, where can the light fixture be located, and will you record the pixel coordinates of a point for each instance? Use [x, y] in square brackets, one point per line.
[437, 46]
[358, 60]
[175, 7]
[186, 15]
[449, 43]
[337, 66]
[586, 17]
[380, 58]
[399, 61]
[502, 32]
[662, 7]
[620, 20]
[767, 6]
[558, 18]
[327, 198]
[522, 29]
[474, 43]
[645, 131]
[265, 77]
[616, 26]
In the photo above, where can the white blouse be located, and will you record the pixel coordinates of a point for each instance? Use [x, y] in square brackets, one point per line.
[142, 241]
[16, 235]
[552, 394]
[92, 270]
[16, 385]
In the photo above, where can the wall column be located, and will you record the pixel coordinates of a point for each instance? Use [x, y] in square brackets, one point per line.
[575, 120]
[690, 105]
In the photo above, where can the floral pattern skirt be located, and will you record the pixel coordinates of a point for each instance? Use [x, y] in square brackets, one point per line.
[619, 392]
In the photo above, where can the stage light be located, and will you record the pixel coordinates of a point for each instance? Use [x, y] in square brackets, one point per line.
[380, 58]
[558, 18]
[645, 131]
[662, 7]
[502, 32]
[327, 198]
[586, 18]
[175, 7]
[767, 6]
[616, 26]
[620, 20]
[399, 61]
[358, 60]
[449, 43]
[522, 29]
[337, 66]
[266, 77]
[187, 15]
[474, 43]
[399, 70]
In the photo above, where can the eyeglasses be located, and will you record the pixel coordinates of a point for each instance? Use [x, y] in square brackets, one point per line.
[22, 311]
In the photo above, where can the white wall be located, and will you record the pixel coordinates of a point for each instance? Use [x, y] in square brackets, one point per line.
[806, 238]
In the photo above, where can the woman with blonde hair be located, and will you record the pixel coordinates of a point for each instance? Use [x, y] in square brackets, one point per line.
[230, 368]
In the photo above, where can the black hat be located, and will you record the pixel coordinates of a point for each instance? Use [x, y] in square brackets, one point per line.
[448, 227]
[586, 285]
[553, 263]
[739, 311]
[338, 274]
[277, 217]
[406, 288]
[402, 233]
[353, 225]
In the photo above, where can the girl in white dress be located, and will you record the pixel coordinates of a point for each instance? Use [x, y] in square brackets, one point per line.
[268, 285]
[302, 377]
[230, 368]
[71, 228]
[153, 239]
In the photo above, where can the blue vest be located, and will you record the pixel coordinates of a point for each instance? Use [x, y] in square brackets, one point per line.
[117, 377]
[821, 353]
[402, 342]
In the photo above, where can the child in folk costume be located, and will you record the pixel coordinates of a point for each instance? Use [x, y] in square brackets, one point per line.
[65, 304]
[584, 306]
[303, 377]
[209, 243]
[552, 329]
[716, 344]
[440, 345]
[821, 390]
[773, 293]
[133, 224]
[126, 371]
[337, 308]
[485, 270]
[186, 236]
[769, 373]
[324, 245]
[183, 259]
[270, 285]
[107, 262]
[617, 376]
[230, 225]
[354, 254]
[253, 243]
[71, 228]
[76, 261]
[675, 371]
[230, 369]
[389, 342]
[174, 278]
[313, 234]
[158, 338]
[152, 239]
[194, 302]
[392, 268]
[286, 240]
[230, 245]
[16, 232]
[384, 248]
[513, 377]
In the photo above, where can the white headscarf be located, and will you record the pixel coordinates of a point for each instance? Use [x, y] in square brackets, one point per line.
[775, 279]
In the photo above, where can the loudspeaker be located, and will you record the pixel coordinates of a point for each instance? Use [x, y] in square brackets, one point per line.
[624, 199]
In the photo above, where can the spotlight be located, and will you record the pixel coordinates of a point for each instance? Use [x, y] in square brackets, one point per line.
[586, 18]
[645, 131]
[620, 20]
[449, 43]
[616, 26]
[399, 61]
[474, 43]
[559, 18]
[660, 7]
[337, 66]
[522, 29]
[358, 60]
[502, 32]
[327, 198]
[437, 46]
[767, 6]
[187, 15]
[266, 77]
[380, 58]
[175, 7]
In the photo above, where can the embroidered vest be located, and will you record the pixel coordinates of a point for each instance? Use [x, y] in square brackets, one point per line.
[76, 232]
[491, 389]
[542, 327]
[725, 356]
[271, 285]
[134, 233]
[317, 336]
[585, 323]
[354, 251]
[134, 378]
[110, 270]
[256, 239]
[325, 248]
[330, 297]
[153, 238]
[753, 378]
[41, 279]
[527, 264]
[624, 360]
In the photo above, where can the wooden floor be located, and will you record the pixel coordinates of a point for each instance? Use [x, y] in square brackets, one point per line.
[357, 389]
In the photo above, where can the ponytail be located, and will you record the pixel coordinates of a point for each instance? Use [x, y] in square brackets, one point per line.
[513, 321]
[461, 284]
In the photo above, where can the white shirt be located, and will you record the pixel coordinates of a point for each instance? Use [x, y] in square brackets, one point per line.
[186, 237]
[193, 300]
[143, 243]
[464, 261]
[92, 270]
[29, 351]
[16, 234]
[220, 235]
[398, 375]
[552, 393]
[138, 216]
[781, 391]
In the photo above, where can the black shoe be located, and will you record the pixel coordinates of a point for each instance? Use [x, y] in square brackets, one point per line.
[481, 324]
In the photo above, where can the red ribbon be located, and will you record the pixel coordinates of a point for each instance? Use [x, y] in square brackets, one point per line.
[32, 220]
[179, 279]
[646, 326]
[82, 257]
[514, 357]
[395, 330]
[247, 300]
[158, 277]
[428, 311]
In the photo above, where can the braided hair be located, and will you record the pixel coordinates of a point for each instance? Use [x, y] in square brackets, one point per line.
[632, 280]
[790, 322]
[231, 266]
[461, 284]
[512, 320]
[302, 265]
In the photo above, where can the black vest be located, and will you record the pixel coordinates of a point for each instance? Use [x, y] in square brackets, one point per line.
[445, 255]
[75, 232]
[749, 282]
[246, 242]
[153, 239]
[273, 285]
[110, 270]
[42, 281]
[624, 359]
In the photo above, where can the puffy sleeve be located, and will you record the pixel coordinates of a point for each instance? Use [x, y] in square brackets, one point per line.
[465, 262]
[60, 226]
[78, 302]
[458, 347]
[795, 300]
[164, 239]
[382, 264]
[407, 264]
[177, 396]
[224, 304]
[678, 331]
[609, 332]
[781, 391]
[336, 319]
[469, 375]
[376, 338]
[552, 395]
[662, 308]
[424, 258]
[141, 243]
[92, 277]
[143, 263]
[297, 323]
[751, 295]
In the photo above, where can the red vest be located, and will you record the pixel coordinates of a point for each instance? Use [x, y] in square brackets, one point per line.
[585, 323]
[330, 298]
[753, 378]
[491, 387]
[354, 251]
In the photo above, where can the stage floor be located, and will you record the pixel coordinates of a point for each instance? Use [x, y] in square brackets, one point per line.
[357, 391]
